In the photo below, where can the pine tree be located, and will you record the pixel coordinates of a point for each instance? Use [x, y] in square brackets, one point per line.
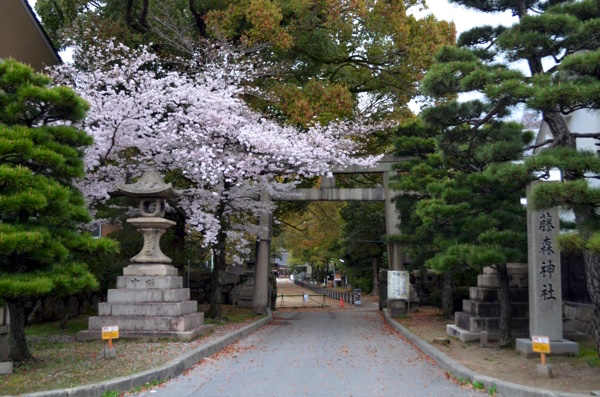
[559, 43]
[469, 210]
[40, 210]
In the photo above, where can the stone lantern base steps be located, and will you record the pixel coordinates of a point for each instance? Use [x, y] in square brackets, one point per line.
[482, 311]
[148, 306]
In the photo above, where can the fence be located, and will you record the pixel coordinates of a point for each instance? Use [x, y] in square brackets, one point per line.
[300, 300]
[347, 297]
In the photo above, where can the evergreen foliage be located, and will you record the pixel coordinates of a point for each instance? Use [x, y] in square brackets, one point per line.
[41, 212]
[558, 42]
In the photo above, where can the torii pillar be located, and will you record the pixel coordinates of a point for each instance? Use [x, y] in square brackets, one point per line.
[260, 299]
[394, 250]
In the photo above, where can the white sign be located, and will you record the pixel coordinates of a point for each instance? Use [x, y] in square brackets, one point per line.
[357, 300]
[110, 332]
[305, 297]
[540, 344]
[398, 285]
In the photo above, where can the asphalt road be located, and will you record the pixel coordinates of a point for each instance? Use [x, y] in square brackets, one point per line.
[321, 352]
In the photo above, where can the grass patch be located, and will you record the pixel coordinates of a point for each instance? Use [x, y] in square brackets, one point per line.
[232, 314]
[588, 354]
[478, 386]
[53, 328]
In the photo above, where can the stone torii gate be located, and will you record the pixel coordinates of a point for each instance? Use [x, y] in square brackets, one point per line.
[329, 192]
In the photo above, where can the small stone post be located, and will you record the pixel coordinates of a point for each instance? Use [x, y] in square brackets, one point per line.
[6, 365]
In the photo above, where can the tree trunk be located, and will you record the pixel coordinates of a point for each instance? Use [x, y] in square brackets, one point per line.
[375, 268]
[215, 310]
[447, 295]
[592, 272]
[64, 317]
[505, 338]
[219, 252]
[18, 344]
[178, 244]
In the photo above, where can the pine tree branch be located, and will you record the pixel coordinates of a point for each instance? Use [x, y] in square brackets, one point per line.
[295, 227]
[586, 134]
[547, 141]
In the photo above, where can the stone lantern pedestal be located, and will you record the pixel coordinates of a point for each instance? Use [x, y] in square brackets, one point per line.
[149, 301]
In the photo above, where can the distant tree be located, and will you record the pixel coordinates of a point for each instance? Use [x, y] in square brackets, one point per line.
[41, 210]
[362, 243]
[312, 236]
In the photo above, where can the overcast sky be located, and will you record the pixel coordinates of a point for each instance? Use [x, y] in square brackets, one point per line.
[466, 19]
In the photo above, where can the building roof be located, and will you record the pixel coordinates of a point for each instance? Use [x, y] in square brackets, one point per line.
[22, 36]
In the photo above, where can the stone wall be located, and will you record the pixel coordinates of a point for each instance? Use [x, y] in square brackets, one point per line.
[578, 318]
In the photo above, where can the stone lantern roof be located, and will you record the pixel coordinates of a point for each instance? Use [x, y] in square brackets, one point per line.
[150, 185]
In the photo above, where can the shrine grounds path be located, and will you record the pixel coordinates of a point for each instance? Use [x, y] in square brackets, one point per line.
[349, 351]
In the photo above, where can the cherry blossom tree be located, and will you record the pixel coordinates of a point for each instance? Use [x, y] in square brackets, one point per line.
[146, 113]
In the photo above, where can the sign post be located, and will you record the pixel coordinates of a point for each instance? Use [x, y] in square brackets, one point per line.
[399, 287]
[541, 344]
[110, 332]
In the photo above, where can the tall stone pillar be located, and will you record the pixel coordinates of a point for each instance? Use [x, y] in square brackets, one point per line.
[545, 290]
[260, 301]
[392, 217]
[397, 307]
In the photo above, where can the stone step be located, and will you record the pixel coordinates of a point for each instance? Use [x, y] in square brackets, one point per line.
[148, 282]
[491, 281]
[512, 269]
[153, 295]
[148, 309]
[466, 336]
[489, 324]
[492, 309]
[491, 294]
[148, 324]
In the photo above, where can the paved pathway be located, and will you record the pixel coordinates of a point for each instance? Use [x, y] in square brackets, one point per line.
[347, 351]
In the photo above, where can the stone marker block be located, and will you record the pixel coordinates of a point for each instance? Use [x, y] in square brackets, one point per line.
[483, 339]
[441, 341]
[6, 367]
[109, 353]
[545, 371]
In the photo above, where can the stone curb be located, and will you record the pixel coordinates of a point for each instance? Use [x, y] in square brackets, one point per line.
[458, 370]
[167, 371]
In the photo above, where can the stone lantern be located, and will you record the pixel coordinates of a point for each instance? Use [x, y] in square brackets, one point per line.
[152, 192]
[149, 300]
